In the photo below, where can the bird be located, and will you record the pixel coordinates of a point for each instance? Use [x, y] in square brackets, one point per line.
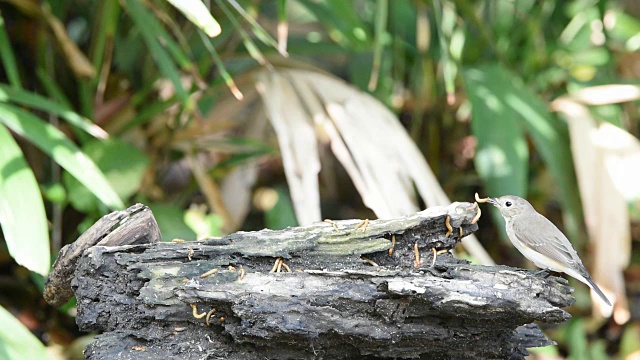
[540, 241]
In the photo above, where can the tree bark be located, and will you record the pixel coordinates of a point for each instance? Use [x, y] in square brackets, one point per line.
[345, 297]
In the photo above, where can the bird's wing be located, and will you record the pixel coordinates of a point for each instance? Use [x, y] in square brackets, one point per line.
[545, 238]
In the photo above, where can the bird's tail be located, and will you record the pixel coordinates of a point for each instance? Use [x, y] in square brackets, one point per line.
[594, 287]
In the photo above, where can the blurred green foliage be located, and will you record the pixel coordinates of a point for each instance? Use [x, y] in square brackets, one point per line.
[143, 73]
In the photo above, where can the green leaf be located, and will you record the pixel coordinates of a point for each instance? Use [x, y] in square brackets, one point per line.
[199, 15]
[122, 164]
[343, 22]
[203, 224]
[8, 58]
[501, 154]
[146, 23]
[53, 142]
[281, 215]
[577, 339]
[171, 222]
[629, 343]
[550, 138]
[22, 215]
[16, 341]
[38, 102]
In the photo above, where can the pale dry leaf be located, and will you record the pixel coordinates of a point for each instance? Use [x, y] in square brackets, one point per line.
[605, 209]
[373, 147]
[297, 140]
[607, 94]
[238, 184]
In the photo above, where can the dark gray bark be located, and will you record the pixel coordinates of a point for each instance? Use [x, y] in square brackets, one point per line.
[332, 304]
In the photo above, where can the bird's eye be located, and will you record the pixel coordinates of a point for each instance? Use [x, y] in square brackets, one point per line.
[508, 203]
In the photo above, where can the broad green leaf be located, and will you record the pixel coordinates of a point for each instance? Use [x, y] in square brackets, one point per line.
[22, 215]
[38, 102]
[506, 98]
[121, 163]
[199, 15]
[16, 341]
[501, 154]
[577, 339]
[281, 215]
[53, 142]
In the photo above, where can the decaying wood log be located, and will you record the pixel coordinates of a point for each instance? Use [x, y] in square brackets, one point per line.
[341, 293]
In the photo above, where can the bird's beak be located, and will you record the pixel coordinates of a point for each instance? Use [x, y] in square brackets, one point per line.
[493, 201]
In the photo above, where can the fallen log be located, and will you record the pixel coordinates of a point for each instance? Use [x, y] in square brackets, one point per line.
[334, 290]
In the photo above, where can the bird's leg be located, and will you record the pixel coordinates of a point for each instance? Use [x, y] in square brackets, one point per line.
[544, 273]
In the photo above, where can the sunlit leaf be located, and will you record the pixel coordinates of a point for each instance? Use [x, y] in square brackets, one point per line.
[506, 106]
[16, 341]
[171, 222]
[53, 142]
[199, 15]
[281, 215]
[122, 164]
[143, 20]
[22, 215]
[502, 154]
[38, 102]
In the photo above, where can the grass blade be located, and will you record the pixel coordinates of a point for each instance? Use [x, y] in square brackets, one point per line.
[53, 142]
[382, 8]
[8, 58]
[38, 102]
[222, 69]
[22, 215]
[144, 21]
